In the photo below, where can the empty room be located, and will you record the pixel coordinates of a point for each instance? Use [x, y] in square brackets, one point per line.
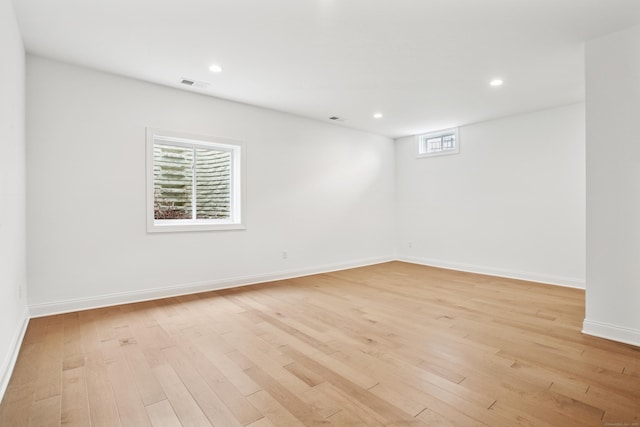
[319, 212]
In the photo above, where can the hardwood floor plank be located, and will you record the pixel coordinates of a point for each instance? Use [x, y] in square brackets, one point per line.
[35, 330]
[262, 422]
[433, 419]
[161, 414]
[347, 418]
[396, 372]
[147, 384]
[196, 386]
[309, 377]
[28, 359]
[72, 352]
[75, 399]
[273, 410]
[45, 412]
[49, 380]
[249, 354]
[353, 410]
[103, 410]
[89, 335]
[380, 406]
[322, 402]
[535, 398]
[186, 408]
[392, 344]
[129, 403]
[451, 408]
[578, 390]
[105, 322]
[16, 405]
[355, 375]
[403, 401]
[217, 381]
[286, 398]
[232, 371]
[517, 417]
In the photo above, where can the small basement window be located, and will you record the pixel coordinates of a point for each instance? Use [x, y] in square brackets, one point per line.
[193, 182]
[438, 143]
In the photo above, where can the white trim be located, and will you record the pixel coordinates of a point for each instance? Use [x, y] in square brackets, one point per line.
[9, 363]
[569, 282]
[159, 226]
[611, 332]
[66, 306]
[58, 307]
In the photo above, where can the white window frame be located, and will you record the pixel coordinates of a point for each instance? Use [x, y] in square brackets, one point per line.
[421, 143]
[236, 220]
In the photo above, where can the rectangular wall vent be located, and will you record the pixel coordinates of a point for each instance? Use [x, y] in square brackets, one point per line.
[194, 83]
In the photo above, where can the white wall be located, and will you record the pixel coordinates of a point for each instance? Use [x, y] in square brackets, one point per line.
[613, 186]
[13, 308]
[321, 192]
[511, 203]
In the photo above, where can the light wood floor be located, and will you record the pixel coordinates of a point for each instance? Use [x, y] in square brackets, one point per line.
[393, 344]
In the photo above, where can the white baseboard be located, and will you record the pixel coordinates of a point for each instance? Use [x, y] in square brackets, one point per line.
[570, 282]
[12, 356]
[67, 306]
[611, 332]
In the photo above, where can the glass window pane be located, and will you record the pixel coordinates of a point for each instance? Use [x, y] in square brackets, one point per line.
[172, 182]
[448, 142]
[434, 144]
[213, 184]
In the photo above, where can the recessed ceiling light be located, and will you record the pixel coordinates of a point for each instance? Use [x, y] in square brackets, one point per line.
[215, 68]
[377, 116]
[496, 82]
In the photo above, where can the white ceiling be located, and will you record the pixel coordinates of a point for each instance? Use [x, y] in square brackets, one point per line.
[424, 64]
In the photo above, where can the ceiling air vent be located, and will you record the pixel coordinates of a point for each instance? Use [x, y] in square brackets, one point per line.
[194, 83]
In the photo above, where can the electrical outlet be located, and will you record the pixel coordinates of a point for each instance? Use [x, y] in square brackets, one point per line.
[410, 244]
[285, 255]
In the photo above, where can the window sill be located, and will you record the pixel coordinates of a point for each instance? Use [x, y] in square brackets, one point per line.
[437, 154]
[159, 227]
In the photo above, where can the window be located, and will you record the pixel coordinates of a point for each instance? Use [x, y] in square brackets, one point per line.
[193, 182]
[438, 143]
